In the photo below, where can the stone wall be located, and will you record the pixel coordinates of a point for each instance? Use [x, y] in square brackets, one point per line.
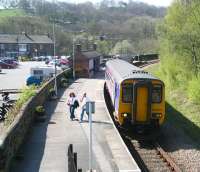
[13, 137]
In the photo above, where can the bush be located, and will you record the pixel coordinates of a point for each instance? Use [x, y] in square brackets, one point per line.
[24, 59]
[39, 110]
[68, 74]
[194, 89]
[52, 93]
[63, 82]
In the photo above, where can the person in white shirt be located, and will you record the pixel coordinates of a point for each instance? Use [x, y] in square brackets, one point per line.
[70, 102]
[83, 100]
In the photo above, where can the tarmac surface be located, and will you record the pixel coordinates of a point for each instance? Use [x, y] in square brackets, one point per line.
[46, 147]
[15, 79]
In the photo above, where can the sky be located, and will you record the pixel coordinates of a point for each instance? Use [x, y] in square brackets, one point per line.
[164, 3]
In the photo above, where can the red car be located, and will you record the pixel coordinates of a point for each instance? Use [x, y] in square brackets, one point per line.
[12, 62]
[64, 62]
[5, 65]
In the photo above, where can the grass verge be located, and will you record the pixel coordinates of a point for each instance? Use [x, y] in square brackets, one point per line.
[25, 95]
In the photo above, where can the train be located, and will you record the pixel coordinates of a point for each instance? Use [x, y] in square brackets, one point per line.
[137, 97]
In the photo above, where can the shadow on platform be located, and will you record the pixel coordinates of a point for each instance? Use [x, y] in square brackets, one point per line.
[34, 144]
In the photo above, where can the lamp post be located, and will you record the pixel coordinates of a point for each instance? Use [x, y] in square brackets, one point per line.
[54, 51]
[54, 54]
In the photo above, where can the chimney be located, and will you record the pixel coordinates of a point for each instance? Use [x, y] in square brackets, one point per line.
[94, 47]
[78, 47]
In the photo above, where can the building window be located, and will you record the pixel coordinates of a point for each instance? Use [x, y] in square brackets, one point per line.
[2, 46]
[22, 47]
[41, 46]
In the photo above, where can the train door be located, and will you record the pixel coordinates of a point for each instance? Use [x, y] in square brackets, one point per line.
[141, 102]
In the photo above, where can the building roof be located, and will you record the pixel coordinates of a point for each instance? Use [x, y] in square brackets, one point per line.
[123, 70]
[90, 54]
[25, 39]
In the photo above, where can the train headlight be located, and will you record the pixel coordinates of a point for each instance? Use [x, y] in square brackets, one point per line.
[125, 115]
[156, 115]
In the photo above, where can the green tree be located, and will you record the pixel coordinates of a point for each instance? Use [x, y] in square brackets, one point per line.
[123, 47]
[180, 42]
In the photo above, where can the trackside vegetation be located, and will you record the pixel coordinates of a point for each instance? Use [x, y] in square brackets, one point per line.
[181, 111]
[179, 36]
[180, 47]
[179, 68]
[180, 63]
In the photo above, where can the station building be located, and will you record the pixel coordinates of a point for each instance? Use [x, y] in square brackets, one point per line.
[87, 63]
[15, 45]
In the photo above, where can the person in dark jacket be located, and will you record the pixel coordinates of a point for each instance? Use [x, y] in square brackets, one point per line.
[72, 102]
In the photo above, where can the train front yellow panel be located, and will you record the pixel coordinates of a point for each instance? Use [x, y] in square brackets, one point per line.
[142, 104]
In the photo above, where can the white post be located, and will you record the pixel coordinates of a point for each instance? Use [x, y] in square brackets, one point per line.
[90, 141]
[54, 53]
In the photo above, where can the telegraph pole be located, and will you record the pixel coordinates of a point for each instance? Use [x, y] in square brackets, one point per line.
[54, 52]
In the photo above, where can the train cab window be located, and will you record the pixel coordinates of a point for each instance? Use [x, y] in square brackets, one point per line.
[127, 93]
[157, 93]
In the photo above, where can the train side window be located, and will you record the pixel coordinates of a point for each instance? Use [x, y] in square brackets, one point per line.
[157, 93]
[127, 93]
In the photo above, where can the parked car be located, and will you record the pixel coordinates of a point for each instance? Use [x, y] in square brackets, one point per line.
[35, 58]
[39, 74]
[5, 65]
[64, 63]
[39, 58]
[54, 61]
[33, 80]
[10, 61]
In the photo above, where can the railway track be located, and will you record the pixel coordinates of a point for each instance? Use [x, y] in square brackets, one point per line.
[148, 154]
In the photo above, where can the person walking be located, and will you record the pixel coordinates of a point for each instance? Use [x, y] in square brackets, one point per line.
[83, 100]
[72, 103]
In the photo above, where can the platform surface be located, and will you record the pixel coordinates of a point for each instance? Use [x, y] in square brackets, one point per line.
[46, 147]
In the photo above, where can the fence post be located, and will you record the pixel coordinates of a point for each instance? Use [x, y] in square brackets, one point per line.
[75, 161]
[70, 150]
[72, 160]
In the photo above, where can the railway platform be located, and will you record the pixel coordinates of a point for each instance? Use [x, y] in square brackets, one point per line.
[46, 147]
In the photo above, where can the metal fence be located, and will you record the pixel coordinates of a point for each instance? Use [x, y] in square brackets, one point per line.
[72, 160]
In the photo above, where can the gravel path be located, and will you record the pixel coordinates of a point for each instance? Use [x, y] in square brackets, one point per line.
[184, 151]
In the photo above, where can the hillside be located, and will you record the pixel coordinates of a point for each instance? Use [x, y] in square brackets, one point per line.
[127, 28]
[11, 13]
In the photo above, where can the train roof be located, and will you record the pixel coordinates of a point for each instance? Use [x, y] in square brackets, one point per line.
[123, 70]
